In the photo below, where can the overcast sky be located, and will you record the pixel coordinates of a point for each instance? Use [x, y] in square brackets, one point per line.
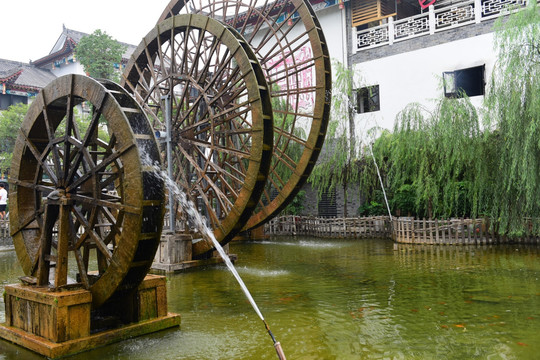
[30, 28]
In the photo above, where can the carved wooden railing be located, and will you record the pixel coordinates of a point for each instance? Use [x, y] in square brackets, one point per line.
[435, 19]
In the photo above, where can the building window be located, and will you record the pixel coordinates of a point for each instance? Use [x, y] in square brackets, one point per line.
[470, 82]
[368, 99]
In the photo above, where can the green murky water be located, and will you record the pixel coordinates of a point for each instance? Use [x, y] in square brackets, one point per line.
[345, 299]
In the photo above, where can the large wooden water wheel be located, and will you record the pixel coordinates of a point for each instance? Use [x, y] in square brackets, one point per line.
[220, 116]
[289, 43]
[82, 190]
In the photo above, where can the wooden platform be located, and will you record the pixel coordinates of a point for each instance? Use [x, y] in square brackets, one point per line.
[161, 268]
[61, 323]
[175, 255]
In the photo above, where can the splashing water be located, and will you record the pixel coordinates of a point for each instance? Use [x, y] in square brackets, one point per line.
[193, 215]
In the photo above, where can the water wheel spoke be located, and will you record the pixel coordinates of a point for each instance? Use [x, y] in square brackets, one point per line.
[150, 66]
[223, 74]
[235, 170]
[110, 179]
[227, 178]
[67, 144]
[192, 37]
[214, 219]
[105, 204]
[286, 160]
[275, 181]
[218, 148]
[83, 238]
[220, 194]
[93, 236]
[235, 112]
[110, 218]
[26, 221]
[50, 136]
[84, 153]
[263, 12]
[31, 185]
[39, 158]
[100, 166]
[83, 268]
[184, 117]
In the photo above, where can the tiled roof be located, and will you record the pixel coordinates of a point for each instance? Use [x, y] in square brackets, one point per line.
[22, 75]
[77, 36]
[74, 37]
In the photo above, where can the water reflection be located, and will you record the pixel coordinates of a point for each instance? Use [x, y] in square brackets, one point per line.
[347, 299]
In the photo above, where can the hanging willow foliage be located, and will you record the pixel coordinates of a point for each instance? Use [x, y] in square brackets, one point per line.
[434, 154]
[336, 166]
[513, 104]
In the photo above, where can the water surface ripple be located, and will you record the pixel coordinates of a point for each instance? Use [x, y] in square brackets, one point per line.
[344, 299]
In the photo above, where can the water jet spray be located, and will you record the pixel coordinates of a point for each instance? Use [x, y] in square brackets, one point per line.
[208, 235]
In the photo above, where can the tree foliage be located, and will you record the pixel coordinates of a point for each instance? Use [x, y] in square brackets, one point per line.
[10, 123]
[336, 166]
[433, 159]
[98, 53]
[513, 104]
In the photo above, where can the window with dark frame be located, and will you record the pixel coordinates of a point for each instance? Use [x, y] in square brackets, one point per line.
[470, 82]
[367, 99]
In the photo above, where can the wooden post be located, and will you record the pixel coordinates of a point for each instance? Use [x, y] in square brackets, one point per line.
[431, 226]
[449, 228]
[424, 230]
[408, 229]
[469, 233]
[50, 216]
[457, 237]
[437, 230]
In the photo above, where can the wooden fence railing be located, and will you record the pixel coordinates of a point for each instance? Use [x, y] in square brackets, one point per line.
[358, 227]
[454, 232]
[402, 230]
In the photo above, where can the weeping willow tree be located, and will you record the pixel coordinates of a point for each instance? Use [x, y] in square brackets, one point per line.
[411, 155]
[513, 103]
[432, 159]
[368, 182]
[336, 166]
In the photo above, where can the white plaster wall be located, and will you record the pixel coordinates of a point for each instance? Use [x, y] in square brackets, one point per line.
[333, 24]
[416, 76]
[72, 68]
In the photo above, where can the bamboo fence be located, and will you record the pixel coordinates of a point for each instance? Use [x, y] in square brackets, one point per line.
[357, 227]
[402, 230]
[455, 232]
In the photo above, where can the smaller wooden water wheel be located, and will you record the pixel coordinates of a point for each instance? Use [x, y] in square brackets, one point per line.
[221, 116]
[81, 189]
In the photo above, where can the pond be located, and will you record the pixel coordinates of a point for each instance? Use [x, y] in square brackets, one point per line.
[344, 299]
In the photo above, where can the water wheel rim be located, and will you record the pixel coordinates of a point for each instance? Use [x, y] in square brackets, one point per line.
[228, 144]
[297, 31]
[111, 224]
